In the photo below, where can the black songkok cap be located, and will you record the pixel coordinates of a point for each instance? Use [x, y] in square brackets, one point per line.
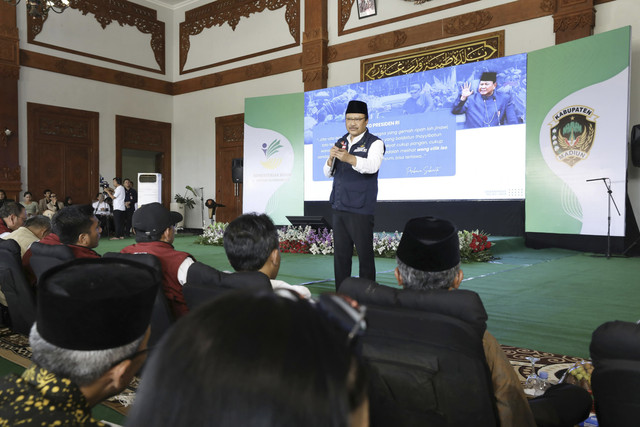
[153, 218]
[96, 303]
[358, 107]
[429, 244]
[488, 76]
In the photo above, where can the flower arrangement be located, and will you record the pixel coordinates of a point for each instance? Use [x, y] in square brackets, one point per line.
[212, 235]
[474, 246]
[385, 245]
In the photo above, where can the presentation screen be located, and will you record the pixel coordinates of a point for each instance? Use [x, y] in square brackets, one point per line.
[455, 133]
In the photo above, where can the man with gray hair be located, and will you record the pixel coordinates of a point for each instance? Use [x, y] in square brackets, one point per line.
[428, 258]
[88, 341]
[34, 229]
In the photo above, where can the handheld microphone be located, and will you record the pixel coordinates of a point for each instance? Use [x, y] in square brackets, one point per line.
[341, 143]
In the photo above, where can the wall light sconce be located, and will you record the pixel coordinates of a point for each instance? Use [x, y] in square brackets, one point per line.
[5, 136]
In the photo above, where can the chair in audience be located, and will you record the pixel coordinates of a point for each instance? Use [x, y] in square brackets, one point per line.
[161, 317]
[43, 257]
[424, 349]
[205, 282]
[18, 293]
[615, 381]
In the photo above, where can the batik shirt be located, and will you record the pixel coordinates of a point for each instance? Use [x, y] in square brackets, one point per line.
[38, 397]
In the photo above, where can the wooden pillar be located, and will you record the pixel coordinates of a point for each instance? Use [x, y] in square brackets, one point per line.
[574, 19]
[9, 74]
[315, 69]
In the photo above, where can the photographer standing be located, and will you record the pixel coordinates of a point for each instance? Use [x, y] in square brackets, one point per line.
[117, 196]
[130, 200]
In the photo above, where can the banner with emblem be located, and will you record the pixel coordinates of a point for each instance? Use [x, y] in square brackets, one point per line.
[577, 121]
[273, 156]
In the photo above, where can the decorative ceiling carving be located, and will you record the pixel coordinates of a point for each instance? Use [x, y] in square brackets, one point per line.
[106, 12]
[229, 12]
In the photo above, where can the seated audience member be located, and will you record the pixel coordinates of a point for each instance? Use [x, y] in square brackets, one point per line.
[53, 206]
[155, 231]
[75, 227]
[79, 229]
[88, 341]
[102, 210]
[42, 203]
[30, 206]
[34, 229]
[428, 257]
[251, 243]
[12, 217]
[253, 359]
[68, 201]
[3, 197]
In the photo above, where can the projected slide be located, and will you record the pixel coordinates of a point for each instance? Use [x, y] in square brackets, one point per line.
[456, 133]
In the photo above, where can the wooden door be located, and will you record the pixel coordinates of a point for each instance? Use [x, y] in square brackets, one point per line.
[63, 152]
[229, 146]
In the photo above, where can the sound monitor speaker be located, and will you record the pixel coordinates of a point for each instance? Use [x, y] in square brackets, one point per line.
[635, 146]
[236, 170]
[315, 222]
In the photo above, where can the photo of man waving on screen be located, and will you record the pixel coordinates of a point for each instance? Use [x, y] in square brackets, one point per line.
[354, 162]
[487, 107]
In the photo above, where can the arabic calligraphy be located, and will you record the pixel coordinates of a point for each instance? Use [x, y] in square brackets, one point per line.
[478, 50]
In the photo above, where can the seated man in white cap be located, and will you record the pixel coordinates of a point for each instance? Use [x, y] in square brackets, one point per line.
[88, 341]
[428, 257]
[251, 243]
[155, 232]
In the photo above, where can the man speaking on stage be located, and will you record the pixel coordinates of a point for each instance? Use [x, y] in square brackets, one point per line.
[354, 162]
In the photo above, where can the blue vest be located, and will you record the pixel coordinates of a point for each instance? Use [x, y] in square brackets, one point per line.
[353, 191]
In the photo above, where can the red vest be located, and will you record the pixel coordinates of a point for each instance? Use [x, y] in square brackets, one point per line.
[171, 261]
[3, 227]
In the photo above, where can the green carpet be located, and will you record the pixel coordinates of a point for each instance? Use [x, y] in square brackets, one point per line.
[549, 300]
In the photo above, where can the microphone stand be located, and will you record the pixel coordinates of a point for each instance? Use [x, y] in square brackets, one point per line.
[202, 206]
[609, 200]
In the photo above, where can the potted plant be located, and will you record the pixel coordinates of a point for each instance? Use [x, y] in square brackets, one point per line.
[187, 201]
[182, 203]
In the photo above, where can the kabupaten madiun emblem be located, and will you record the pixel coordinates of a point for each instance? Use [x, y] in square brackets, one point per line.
[573, 131]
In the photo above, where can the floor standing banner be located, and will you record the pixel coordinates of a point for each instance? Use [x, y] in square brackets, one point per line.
[273, 156]
[577, 121]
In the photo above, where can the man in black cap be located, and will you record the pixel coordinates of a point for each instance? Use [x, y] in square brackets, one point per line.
[88, 341]
[155, 231]
[357, 156]
[428, 257]
[487, 107]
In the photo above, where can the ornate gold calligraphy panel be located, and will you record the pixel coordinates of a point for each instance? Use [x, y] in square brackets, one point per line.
[472, 49]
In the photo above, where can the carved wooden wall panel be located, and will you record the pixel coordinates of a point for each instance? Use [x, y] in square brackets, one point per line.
[9, 74]
[345, 6]
[573, 19]
[229, 12]
[146, 135]
[468, 23]
[106, 12]
[63, 147]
